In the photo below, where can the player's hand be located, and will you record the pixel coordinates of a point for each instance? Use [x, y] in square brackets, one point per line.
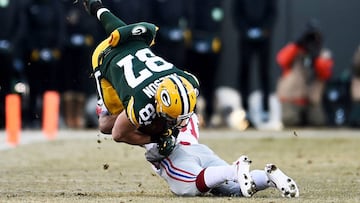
[101, 110]
[167, 141]
[166, 145]
[152, 155]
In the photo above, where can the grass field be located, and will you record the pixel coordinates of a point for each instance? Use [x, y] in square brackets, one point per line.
[83, 166]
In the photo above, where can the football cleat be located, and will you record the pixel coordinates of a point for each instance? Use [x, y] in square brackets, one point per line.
[282, 182]
[247, 185]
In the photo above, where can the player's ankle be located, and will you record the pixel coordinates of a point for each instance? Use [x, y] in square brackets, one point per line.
[94, 7]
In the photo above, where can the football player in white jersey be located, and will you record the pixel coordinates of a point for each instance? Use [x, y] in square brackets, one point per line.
[193, 169]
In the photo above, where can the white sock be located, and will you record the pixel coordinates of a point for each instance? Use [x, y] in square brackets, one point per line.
[216, 175]
[260, 179]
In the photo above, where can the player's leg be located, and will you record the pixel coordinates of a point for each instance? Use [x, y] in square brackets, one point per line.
[109, 21]
[233, 180]
[216, 178]
[219, 177]
[261, 180]
[186, 174]
[180, 170]
[272, 176]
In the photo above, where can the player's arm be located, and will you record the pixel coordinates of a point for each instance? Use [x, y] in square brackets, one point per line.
[106, 123]
[119, 126]
[125, 131]
[105, 119]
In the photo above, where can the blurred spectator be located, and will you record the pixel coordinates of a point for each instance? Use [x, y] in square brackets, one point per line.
[44, 43]
[306, 67]
[203, 49]
[228, 110]
[255, 20]
[337, 99]
[354, 119]
[13, 25]
[81, 33]
[169, 16]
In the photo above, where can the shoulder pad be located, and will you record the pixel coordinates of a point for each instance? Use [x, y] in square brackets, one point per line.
[97, 58]
[133, 32]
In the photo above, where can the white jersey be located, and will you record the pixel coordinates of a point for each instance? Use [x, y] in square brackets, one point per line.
[187, 135]
[181, 168]
[190, 133]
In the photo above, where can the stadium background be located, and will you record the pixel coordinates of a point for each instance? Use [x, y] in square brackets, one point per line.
[338, 21]
[71, 168]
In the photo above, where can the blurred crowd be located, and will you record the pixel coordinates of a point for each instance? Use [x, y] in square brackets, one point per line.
[46, 45]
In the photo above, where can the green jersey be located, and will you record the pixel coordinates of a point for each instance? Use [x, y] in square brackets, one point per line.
[126, 65]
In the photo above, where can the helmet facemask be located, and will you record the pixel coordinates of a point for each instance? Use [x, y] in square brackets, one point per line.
[179, 122]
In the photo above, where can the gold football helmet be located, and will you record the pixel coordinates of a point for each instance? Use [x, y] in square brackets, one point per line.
[175, 100]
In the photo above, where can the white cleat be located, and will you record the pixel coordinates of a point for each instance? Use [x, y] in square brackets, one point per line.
[282, 182]
[245, 181]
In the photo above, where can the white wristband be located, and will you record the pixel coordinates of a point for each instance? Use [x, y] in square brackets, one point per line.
[100, 11]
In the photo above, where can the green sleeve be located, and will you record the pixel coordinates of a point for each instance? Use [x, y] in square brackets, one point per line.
[110, 22]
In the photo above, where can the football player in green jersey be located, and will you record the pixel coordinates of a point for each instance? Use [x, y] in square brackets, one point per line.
[148, 98]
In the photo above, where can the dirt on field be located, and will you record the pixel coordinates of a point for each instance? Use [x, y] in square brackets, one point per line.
[88, 167]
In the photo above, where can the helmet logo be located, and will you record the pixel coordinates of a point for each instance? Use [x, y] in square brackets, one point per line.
[138, 30]
[165, 98]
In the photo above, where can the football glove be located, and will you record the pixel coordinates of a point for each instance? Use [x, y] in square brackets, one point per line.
[152, 155]
[166, 145]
